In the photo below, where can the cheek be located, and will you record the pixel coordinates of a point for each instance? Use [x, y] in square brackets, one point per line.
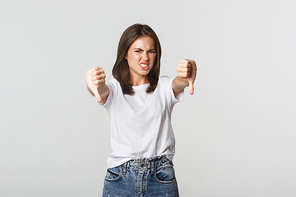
[152, 58]
[132, 57]
[136, 57]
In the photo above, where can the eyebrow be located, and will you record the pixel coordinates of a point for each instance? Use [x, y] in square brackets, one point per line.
[137, 48]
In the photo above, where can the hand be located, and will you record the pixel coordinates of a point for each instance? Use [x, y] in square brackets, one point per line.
[187, 69]
[95, 78]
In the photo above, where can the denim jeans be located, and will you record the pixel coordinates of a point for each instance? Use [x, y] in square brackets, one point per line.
[143, 177]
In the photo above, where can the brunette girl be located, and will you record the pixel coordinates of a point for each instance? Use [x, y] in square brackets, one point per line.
[139, 103]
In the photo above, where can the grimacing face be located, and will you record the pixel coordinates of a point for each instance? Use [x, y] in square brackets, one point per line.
[141, 56]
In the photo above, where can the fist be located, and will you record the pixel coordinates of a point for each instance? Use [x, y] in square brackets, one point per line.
[187, 69]
[95, 78]
[98, 76]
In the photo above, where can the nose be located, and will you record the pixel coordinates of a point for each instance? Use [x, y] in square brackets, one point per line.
[145, 56]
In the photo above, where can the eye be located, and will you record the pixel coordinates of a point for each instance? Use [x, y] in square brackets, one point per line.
[137, 51]
[151, 51]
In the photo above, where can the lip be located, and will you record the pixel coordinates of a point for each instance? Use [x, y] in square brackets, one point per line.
[144, 68]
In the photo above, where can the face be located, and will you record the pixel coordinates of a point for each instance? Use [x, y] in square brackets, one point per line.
[141, 57]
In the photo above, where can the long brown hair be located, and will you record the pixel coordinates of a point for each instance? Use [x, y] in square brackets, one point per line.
[121, 70]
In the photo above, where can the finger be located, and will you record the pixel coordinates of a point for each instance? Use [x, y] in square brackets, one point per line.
[98, 77]
[183, 74]
[97, 68]
[191, 87]
[183, 62]
[96, 72]
[185, 65]
[98, 97]
[95, 82]
[183, 69]
[99, 82]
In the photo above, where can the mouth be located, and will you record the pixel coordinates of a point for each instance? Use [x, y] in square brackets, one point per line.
[144, 66]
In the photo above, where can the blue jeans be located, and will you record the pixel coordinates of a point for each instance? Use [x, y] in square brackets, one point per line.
[143, 177]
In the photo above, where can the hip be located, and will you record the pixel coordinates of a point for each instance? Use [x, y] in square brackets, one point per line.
[142, 177]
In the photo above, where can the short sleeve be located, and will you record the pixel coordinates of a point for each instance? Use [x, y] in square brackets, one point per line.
[167, 84]
[110, 96]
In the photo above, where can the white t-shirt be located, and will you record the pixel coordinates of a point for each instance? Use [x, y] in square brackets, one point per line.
[141, 123]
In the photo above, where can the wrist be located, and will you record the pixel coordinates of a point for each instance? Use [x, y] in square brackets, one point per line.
[182, 82]
[103, 90]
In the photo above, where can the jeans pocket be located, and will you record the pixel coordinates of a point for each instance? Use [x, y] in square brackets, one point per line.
[113, 174]
[165, 174]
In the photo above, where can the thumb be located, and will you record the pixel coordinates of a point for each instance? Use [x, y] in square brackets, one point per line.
[191, 79]
[191, 87]
[98, 97]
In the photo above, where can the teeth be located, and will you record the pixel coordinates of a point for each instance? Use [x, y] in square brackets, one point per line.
[143, 65]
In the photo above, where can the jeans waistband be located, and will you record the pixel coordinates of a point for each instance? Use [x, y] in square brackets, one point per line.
[144, 163]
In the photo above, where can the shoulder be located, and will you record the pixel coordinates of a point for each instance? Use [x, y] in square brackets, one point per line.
[114, 86]
[113, 83]
[165, 81]
[163, 78]
[165, 87]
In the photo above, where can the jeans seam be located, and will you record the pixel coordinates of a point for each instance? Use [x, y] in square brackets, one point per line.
[165, 182]
[113, 180]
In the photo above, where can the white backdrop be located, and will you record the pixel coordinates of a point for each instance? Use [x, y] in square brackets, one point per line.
[235, 137]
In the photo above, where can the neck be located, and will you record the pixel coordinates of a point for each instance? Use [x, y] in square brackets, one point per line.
[136, 81]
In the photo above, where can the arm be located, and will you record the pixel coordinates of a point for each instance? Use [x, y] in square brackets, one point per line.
[186, 75]
[95, 82]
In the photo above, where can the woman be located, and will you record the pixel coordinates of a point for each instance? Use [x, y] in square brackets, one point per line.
[139, 104]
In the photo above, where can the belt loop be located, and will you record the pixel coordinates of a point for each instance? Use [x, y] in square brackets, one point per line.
[124, 168]
[152, 166]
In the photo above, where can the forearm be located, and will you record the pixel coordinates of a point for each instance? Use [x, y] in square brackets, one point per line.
[178, 85]
[104, 92]
[89, 90]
